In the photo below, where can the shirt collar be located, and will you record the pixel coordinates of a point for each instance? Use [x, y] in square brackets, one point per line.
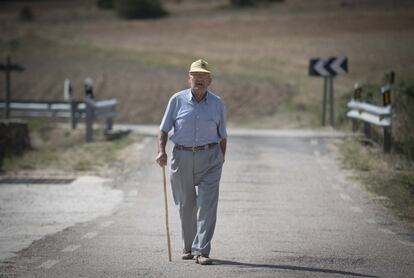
[190, 96]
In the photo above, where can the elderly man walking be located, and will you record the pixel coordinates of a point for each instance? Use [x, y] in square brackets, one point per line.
[199, 120]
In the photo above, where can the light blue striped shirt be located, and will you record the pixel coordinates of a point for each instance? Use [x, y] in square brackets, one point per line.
[195, 124]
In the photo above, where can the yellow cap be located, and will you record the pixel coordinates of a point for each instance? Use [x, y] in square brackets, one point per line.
[199, 66]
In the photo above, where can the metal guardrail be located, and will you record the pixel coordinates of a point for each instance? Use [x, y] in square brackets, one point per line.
[74, 110]
[103, 109]
[379, 116]
[370, 114]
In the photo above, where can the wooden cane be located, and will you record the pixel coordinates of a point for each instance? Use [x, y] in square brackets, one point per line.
[166, 214]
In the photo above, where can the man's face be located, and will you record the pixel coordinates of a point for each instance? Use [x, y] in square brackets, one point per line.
[199, 82]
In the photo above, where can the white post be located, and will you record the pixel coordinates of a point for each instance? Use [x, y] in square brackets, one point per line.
[67, 90]
[89, 88]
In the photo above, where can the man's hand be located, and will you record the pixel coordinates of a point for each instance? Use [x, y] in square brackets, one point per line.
[161, 159]
[223, 146]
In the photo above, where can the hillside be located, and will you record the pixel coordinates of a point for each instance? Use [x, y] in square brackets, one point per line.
[259, 56]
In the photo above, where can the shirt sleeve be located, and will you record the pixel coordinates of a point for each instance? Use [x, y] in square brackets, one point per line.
[222, 131]
[168, 119]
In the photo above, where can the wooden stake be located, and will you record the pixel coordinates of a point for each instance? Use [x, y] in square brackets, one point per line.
[166, 214]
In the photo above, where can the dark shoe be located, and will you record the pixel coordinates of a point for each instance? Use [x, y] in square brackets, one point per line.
[187, 255]
[203, 260]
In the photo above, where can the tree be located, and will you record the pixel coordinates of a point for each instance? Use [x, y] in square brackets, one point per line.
[132, 9]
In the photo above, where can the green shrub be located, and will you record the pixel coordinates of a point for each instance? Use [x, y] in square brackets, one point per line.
[105, 4]
[242, 3]
[26, 14]
[247, 3]
[134, 9]
[403, 122]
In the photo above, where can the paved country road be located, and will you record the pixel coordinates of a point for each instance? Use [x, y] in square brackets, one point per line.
[286, 210]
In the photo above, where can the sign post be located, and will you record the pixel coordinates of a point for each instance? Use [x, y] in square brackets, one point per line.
[328, 68]
[8, 68]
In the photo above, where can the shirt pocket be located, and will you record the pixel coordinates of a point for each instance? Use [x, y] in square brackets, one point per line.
[209, 122]
[210, 126]
[184, 119]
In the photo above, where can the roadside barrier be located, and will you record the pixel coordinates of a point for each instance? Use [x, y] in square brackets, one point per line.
[369, 114]
[95, 110]
[73, 109]
[91, 110]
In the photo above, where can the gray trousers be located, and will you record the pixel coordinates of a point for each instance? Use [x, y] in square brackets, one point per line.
[195, 178]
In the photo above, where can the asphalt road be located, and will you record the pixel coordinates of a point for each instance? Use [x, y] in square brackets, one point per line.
[286, 210]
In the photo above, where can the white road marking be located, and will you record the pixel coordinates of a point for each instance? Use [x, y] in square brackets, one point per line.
[90, 235]
[345, 197]
[106, 223]
[316, 153]
[70, 248]
[406, 243]
[370, 221]
[48, 264]
[386, 231]
[133, 193]
[356, 209]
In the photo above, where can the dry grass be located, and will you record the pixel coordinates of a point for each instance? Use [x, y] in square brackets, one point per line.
[62, 151]
[385, 175]
[259, 56]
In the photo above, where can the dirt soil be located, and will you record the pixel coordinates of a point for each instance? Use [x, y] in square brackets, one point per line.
[259, 56]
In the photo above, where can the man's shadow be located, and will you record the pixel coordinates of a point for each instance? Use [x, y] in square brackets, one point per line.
[290, 267]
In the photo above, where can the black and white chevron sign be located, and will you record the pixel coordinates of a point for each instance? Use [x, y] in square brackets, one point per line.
[328, 67]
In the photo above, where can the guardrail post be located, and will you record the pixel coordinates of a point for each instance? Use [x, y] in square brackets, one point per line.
[109, 123]
[367, 130]
[386, 95]
[73, 116]
[89, 119]
[357, 97]
[354, 125]
[371, 114]
[67, 96]
[387, 139]
[386, 101]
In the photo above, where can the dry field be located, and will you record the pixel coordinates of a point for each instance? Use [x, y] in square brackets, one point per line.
[259, 56]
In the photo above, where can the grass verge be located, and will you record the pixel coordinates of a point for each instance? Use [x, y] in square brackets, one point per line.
[387, 175]
[61, 151]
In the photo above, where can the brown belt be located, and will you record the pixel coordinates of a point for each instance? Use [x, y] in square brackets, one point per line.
[195, 149]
